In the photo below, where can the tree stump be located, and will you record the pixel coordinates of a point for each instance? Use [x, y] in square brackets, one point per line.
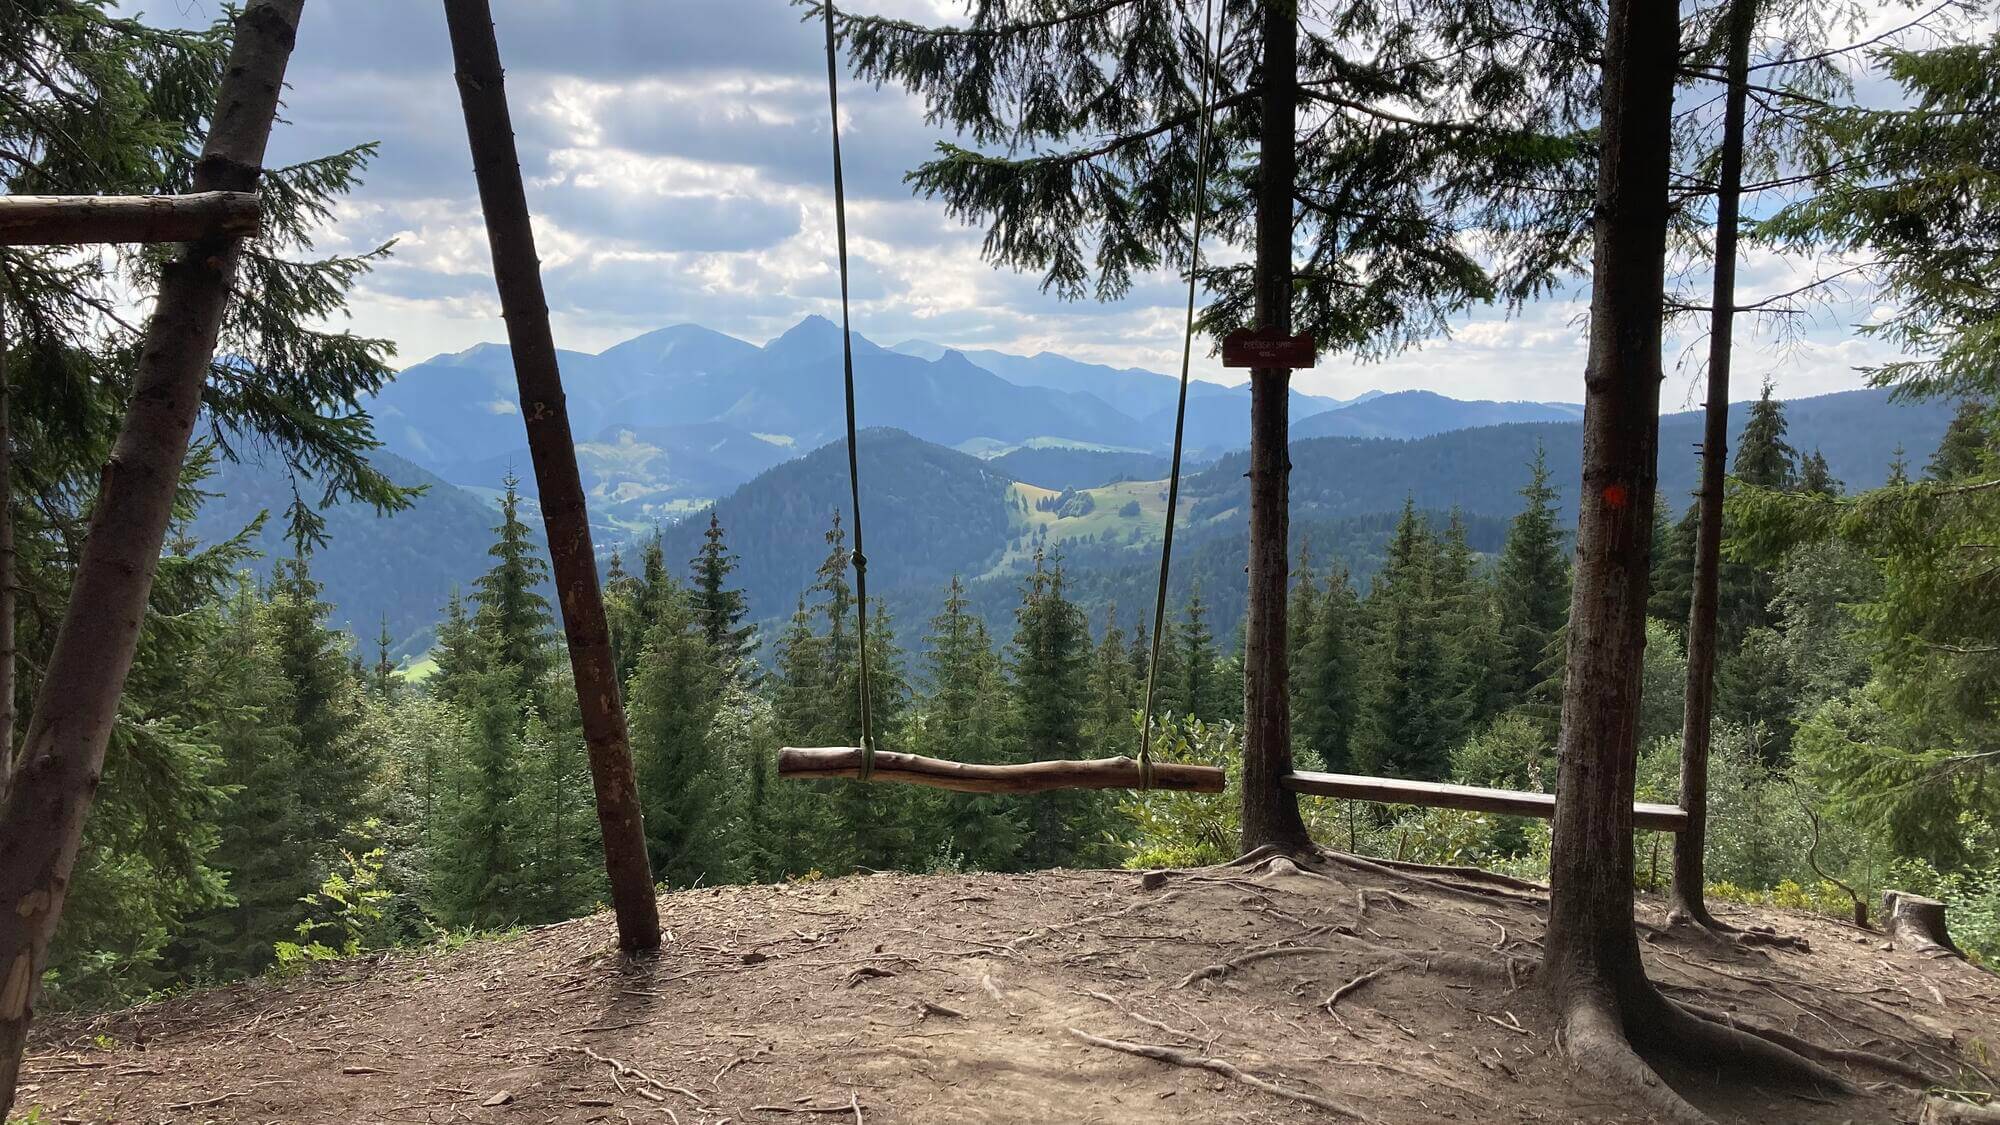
[1916, 924]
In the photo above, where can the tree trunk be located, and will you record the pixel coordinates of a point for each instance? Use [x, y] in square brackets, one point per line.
[1271, 813]
[517, 271]
[8, 594]
[82, 220]
[41, 823]
[1687, 902]
[1591, 964]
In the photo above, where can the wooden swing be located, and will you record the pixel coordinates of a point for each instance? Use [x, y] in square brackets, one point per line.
[864, 762]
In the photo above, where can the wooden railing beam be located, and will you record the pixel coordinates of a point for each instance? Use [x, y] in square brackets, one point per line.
[86, 220]
[1472, 798]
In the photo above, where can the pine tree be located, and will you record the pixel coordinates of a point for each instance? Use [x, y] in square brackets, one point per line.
[480, 881]
[1201, 691]
[674, 701]
[801, 715]
[1763, 457]
[1330, 688]
[878, 821]
[514, 618]
[965, 719]
[721, 610]
[623, 616]
[332, 766]
[1407, 726]
[1969, 444]
[1109, 729]
[458, 655]
[268, 857]
[383, 678]
[1532, 592]
[1049, 661]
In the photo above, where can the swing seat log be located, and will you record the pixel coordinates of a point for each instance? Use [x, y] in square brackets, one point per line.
[822, 762]
[1435, 794]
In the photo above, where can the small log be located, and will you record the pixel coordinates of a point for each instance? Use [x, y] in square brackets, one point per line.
[83, 220]
[1916, 924]
[822, 762]
[1942, 1111]
[1436, 794]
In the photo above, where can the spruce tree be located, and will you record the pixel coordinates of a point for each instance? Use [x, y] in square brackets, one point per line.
[514, 618]
[1201, 690]
[332, 765]
[1109, 729]
[1330, 687]
[1050, 661]
[1763, 457]
[458, 655]
[675, 696]
[719, 609]
[480, 881]
[262, 844]
[1531, 588]
[964, 718]
[1969, 444]
[877, 822]
[1407, 726]
[383, 678]
[801, 715]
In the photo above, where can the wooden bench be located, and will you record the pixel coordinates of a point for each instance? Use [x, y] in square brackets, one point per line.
[1437, 794]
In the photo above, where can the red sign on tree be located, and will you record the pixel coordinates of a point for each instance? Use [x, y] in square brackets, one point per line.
[1261, 347]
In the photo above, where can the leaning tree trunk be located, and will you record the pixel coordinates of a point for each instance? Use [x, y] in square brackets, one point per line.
[1270, 813]
[518, 273]
[1688, 902]
[1591, 964]
[41, 823]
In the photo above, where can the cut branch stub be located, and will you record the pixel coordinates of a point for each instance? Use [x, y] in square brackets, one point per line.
[1916, 924]
[81, 220]
[823, 762]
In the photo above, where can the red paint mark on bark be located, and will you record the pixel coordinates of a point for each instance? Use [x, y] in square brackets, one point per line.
[1614, 495]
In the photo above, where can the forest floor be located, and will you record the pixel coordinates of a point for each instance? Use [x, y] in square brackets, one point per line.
[891, 998]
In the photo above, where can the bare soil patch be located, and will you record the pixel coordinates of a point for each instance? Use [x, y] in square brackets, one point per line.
[1320, 993]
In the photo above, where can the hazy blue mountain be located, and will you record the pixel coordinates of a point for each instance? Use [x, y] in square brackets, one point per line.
[1415, 414]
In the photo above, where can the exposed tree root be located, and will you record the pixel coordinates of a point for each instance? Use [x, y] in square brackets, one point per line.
[1470, 892]
[1219, 1066]
[1686, 918]
[1915, 1076]
[1596, 1043]
[1472, 874]
[1091, 920]
[1712, 1042]
[1224, 968]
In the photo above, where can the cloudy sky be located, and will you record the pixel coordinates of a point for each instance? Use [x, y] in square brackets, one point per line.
[678, 165]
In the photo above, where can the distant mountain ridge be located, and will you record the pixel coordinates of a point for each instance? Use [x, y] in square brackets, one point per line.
[672, 419]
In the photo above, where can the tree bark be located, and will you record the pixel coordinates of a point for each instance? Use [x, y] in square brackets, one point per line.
[8, 594]
[1916, 924]
[822, 762]
[83, 220]
[518, 274]
[1270, 812]
[41, 822]
[1687, 901]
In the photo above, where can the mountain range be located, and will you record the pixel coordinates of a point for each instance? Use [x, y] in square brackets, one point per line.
[672, 420]
[965, 470]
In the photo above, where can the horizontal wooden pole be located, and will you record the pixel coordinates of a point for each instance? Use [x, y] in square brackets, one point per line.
[83, 220]
[1437, 794]
[820, 762]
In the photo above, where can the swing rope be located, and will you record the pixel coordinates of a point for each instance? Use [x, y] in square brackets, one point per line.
[1209, 34]
[859, 559]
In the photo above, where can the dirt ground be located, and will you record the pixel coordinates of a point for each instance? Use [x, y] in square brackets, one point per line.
[880, 999]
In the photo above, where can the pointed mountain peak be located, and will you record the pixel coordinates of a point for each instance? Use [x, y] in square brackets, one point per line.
[815, 336]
